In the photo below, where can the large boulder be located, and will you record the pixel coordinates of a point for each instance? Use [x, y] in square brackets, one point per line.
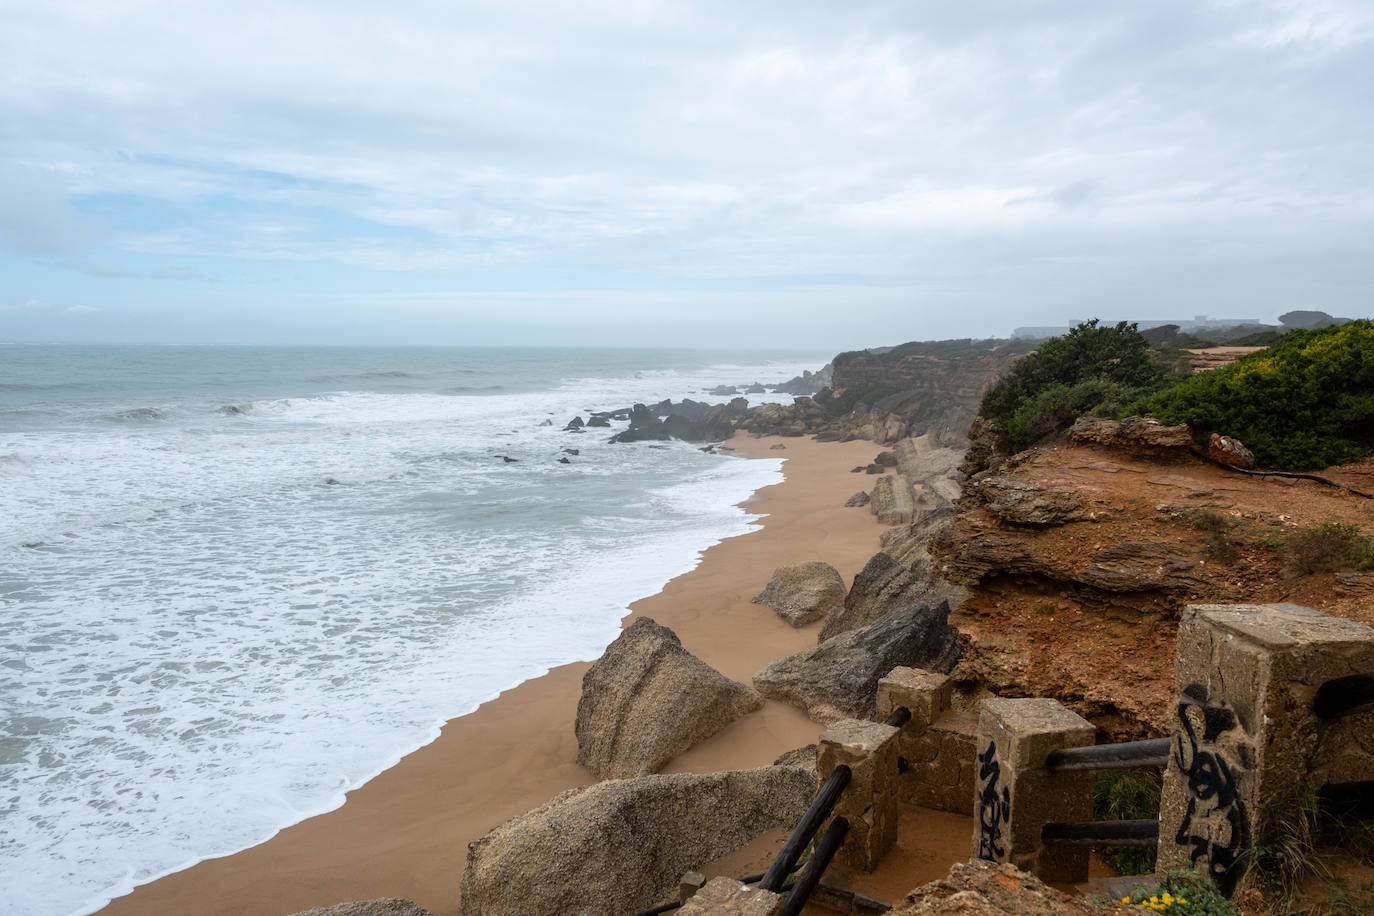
[882, 586]
[803, 592]
[385, 906]
[647, 699]
[621, 846]
[839, 678]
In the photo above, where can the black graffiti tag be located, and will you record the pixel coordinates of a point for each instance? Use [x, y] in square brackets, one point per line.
[994, 806]
[1213, 799]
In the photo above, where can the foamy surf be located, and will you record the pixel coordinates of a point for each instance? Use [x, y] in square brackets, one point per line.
[222, 621]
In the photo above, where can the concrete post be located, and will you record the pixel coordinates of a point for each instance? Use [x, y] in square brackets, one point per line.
[927, 695]
[728, 897]
[1016, 796]
[1244, 729]
[869, 802]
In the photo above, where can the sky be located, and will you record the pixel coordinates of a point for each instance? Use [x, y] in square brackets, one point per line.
[629, 172]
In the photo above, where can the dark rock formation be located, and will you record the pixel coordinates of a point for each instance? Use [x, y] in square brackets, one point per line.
[621, 846]
[575, 423]
[647, 699]
[858, 499]
[839, 677]
[598, 422]
[803, 593]
[882, 585]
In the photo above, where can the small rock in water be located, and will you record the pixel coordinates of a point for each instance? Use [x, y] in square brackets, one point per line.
[570, 451]
[777, 446]
[331, 481]
[564, 460]
[507, 459]
[546, 423]
[575, 423]
[858, 470]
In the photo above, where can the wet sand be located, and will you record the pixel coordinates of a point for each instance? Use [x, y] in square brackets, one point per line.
[405, 833]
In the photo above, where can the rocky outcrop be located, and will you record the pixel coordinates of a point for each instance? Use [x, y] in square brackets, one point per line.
[385, 906]
[620, 846]
[982, 888]
[858, 500]
[892, 500]
[803, 593]
[920, 387]
[969, 556]
[1131, 433]
[839, 677]
[647, 699]
[1023, 502]
[799, 418]
[884, 584]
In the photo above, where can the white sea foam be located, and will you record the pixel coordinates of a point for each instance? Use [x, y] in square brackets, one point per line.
[214, 625]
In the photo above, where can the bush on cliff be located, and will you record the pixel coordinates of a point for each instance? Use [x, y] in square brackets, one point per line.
[1307, 402]
[1091, 369]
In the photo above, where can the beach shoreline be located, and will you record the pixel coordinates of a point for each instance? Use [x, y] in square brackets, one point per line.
[405, 832]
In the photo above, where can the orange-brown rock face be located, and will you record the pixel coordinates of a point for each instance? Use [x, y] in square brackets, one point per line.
[1078, 559]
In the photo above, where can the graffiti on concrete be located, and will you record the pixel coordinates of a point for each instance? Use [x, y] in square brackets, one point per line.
[994, 805]
[1215, 826]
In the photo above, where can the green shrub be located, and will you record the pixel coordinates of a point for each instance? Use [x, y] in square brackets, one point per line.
[1306, 402]
[1091, 369]
[1327, 547]
[1128, 795]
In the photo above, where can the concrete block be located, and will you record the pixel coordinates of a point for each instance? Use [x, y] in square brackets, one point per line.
[869, 803]
[1244, 728]
[1015, 796]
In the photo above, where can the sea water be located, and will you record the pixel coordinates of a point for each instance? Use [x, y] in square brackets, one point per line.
[236, 582]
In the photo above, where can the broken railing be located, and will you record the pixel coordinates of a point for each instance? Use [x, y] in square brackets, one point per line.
[785, 863]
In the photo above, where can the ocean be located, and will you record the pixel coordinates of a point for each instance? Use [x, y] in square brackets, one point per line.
[240, 581]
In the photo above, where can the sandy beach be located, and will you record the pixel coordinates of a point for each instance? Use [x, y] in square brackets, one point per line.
[405, 833]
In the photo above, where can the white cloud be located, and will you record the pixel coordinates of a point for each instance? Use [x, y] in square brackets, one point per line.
[672, 143]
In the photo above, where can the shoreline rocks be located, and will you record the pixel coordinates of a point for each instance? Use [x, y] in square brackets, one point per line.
[839, 677]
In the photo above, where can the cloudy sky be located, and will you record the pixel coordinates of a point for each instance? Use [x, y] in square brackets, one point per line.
[633, 172]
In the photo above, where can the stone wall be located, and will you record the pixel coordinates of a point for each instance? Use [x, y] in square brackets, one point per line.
[937, 747]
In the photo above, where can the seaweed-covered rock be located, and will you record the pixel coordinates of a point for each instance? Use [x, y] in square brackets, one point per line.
[647, 699]
[839, 678]
[803, 593]
[620, 846]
